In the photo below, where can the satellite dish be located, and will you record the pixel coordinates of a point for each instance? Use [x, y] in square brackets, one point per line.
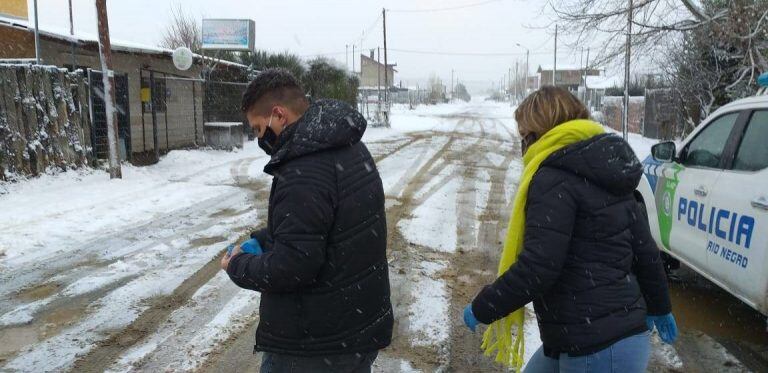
[182, 58]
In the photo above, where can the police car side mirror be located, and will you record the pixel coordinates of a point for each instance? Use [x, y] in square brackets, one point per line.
[664, 152]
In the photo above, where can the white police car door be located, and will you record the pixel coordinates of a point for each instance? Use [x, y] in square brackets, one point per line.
[699, 168]
[739, 236]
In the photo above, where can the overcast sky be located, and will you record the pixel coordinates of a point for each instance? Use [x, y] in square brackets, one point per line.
[308, 27]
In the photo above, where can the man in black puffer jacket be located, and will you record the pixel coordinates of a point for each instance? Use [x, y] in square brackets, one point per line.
[323, 275]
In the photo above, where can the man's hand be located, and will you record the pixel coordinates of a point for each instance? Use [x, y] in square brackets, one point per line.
[251, 246]
[228, 256]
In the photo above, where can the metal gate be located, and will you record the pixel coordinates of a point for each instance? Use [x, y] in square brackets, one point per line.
[99, 139]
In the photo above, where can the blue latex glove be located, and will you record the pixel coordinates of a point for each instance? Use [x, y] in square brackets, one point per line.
[469, 318]
[666, 326]
[251, 246]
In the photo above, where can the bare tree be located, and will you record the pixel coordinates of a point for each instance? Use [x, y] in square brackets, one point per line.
[183, 31]
[657, 20]
[709, 50]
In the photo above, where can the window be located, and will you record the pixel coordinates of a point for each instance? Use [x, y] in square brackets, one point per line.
[706, 149]
[753, 152]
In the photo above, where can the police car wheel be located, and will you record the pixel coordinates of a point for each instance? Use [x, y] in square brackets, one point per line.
[670, 263]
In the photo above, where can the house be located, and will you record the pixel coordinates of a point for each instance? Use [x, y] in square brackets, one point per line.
[569, 77]
[159, 107]
[372, 73]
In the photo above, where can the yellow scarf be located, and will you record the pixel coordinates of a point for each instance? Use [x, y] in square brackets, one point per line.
[498, 336]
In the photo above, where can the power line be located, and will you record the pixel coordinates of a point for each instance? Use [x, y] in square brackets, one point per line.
[323, 54]
[477, 54]
[370, 28]
[472, 5]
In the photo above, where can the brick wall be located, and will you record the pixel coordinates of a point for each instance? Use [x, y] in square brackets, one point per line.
[612, 109]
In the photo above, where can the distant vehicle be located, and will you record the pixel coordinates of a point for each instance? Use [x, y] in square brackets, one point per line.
[707, 202]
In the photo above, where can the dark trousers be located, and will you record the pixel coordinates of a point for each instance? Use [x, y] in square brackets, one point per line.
[352, 363]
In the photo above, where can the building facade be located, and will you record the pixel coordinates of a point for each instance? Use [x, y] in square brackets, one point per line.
[167, 115]
[568, 77]
[372, 73]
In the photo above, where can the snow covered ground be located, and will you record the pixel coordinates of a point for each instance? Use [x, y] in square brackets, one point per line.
[121, 275]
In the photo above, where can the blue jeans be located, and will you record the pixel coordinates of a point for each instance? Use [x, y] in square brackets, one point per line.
[629, 355]
[352, 363]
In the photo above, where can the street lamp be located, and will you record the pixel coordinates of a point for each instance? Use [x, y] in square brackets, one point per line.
[527, 52]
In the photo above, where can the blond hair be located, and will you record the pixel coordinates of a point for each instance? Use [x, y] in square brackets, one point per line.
[546, 108]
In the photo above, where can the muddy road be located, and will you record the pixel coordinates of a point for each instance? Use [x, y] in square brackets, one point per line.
[448, 191]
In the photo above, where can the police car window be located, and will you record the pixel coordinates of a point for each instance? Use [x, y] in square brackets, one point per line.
[753, 153]
[707, 147]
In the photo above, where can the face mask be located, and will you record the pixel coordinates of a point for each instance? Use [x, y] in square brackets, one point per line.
[527, 141]
[267, 142]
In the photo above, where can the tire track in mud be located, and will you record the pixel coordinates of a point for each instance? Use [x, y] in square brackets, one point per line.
[401, 258]
[464, 353]
[18, 280]
[400, 147]
[66, 311]
[475, 261]
[109, 351]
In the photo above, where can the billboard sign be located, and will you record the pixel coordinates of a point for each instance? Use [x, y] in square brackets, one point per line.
[16, 9]
[229, 34]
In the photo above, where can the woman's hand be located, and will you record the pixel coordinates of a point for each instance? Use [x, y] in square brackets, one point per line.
[666, 326]
[469, 318]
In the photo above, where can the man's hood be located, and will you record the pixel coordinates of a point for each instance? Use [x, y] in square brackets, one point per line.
[327, 124]
[605, 160]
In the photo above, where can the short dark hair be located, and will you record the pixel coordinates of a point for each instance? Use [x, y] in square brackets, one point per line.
[271, 87]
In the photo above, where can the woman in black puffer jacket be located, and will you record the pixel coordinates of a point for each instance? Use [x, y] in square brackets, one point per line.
[587, 259]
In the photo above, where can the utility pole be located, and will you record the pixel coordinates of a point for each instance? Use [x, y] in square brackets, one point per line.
[72, 33]
[353, 61]
[378, 75]
[516, 82]
[525, 84]
[346, 53]
[625, 117]
[586, 87]
[37, 37]
[71, 23]
[108, 79]
[510, 83]
[527, 52]
[554, 67]
[386, 63]
[453, 87]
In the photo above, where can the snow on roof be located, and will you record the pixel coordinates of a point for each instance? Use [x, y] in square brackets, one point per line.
[561, 67]
[615, 99]
[604, 82]
[80, 37]
[223, 124]
[373, 87]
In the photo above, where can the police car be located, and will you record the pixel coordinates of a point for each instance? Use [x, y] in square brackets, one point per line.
[707, 198]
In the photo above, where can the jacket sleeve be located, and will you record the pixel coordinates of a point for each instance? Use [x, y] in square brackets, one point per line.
[649, 268]
[262, 236]
[550, 216]
[303, 214]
